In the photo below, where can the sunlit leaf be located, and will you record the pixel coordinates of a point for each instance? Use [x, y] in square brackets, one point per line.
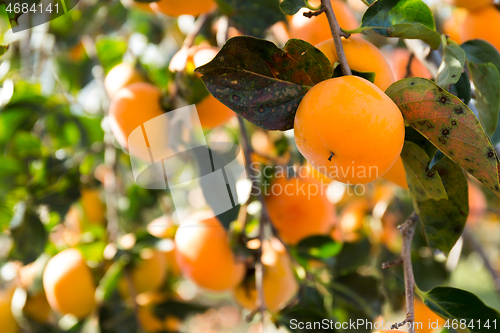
[451, 67]
[410, 19]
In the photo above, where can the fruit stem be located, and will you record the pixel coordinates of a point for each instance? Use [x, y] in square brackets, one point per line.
[336, 33]
[408, 231]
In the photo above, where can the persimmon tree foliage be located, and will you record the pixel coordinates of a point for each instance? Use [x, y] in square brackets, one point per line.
[401, 87]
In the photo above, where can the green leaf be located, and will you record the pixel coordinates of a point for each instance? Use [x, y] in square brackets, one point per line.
[28, 235]
[424, 184]
[456, 304]
[451, 67]
[444, 220]
[109, 282]
[462, 88]
[480, 51]
[263, 83]
[449, 125]
[438, 156]
[3, 49]
[410, 19]
[24, 144]
[291, 7]
[110, 51]
[318, 247]
[252, 17]
[487, 82]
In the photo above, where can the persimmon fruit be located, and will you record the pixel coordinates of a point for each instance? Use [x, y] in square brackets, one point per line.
[279, 282]
[130, 108]
[204, 255]
[298, 208]
[483, 23]
[121, 76]
[178, 8]
[469, 4]
[361, 56]
[349, 130]
[397, 174]
[317, 29]
[68, 284]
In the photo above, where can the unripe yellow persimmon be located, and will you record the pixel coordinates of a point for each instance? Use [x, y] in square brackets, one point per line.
[279, 281]
[7, 322]
[130, 108]
[68, 284]
[361, 56]
[120, 76]
[397, 174]
[204, 254]
[299, 208]
[349, 130]
[483, 23]
[317, 29]
[178, 8]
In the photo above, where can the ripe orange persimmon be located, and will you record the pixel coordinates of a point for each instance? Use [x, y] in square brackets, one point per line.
[68, 284]
[349, 130]
[7, 322]
[144, 6]
[452, 25]
[37, 308]
[204, 254]
[316, 29]
[351, 220]
[213, 113]
[178, 8]
[397, 174]
[120, 76]
[425, 316]
[477, 204]
[298, 208]
[131, 107]
[469, 4]
[483, 23]
[92, 206]
[399, 63]
[279, 281]
[362, 56]
[150, 272]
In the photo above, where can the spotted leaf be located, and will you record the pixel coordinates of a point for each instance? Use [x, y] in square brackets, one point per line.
[424, 184]
[263, 83]
[444, 220]
[449, 125]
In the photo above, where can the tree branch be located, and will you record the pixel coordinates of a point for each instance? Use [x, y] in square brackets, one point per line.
[408, 231]
[326, 6]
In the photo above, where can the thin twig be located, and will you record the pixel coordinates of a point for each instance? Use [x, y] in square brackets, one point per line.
[469, 238]
[408, 231]
[259, 271]
[408, 65]
[316, 13]
[390, 264]
[336, 33]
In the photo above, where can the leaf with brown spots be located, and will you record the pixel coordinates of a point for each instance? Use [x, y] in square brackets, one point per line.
[424, 184]
[444, 220]
[449, 125]
[263, 83]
